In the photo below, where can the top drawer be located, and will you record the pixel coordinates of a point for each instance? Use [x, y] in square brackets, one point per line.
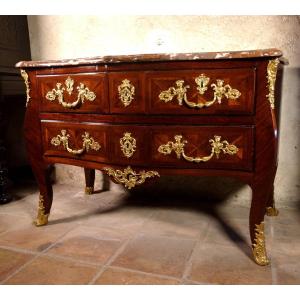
[207, 91]
[84, 92]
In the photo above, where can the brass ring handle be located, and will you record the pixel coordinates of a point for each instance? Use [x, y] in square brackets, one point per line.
[83, 93]
[202, 81]
[87, 142]
[216, 147]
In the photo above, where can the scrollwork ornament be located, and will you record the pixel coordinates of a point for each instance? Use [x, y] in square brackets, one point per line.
[259, 247]
[42, 217]
[126, 92]
[128, 144]
[271, 76]
[26, 81]
[128, 177]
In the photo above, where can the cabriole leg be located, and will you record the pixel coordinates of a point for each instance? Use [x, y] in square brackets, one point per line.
[257, 232]
[45, 198]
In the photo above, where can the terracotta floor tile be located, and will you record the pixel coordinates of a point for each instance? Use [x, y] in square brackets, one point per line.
[88, 244]
[218, 264]
[127, 218]
[286, 238]
[286, 269]
[228, 212]
[10, 261]
[228, 233]
[120, 276]
[47, 270]
[34, 238]
[287, 216]
[159, 255]
[176, 223]
[10, 221]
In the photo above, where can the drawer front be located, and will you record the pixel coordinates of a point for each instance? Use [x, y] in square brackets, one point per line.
[85, 92]
[191, 147]
[79, 141]
[126, 92]
[203, 147]
[207, 91]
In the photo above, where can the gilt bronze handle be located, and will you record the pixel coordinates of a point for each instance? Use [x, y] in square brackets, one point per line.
[216, 147]
[83, 93]
[87, 142]
[180, 92]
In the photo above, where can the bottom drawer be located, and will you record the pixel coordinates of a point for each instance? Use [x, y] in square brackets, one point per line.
[214, 147]
[226, 147]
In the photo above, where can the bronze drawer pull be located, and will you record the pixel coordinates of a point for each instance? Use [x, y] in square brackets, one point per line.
[128, 177]
[202, 81]
[83, 93]
[87, 142]
[216, 147]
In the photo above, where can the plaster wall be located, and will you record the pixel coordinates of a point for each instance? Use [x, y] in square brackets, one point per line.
[57, 37]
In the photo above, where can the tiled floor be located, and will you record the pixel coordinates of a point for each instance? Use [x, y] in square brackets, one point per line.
[113, 238]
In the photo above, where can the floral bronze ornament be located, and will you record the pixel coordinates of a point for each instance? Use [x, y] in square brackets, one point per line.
[87, 142]
[128, 177]
[128, 144]
[271, 76]
[83, 93]
[26, 81]
[89, 190]
[69, 85]
[126, 92]
[202, 82]
[180, 92]
[217, 146]
[272, 211]
[259, 247]
[42, 217]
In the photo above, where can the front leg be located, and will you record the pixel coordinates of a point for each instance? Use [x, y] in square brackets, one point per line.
[45, 197]
[34, 146]
[256, 221]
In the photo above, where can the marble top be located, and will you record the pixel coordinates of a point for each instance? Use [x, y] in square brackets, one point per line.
[114, 59]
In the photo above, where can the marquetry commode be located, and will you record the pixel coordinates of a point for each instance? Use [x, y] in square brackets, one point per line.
[140, 116]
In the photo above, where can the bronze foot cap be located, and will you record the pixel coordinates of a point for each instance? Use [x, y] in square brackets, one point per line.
[89, 190]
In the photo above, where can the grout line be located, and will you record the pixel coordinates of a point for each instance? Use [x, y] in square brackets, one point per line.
[71, 259]
[198, 245]
[35, 257]
[188, 265]
[145, 273]
[20, 250]
[109, 261]
[116, 254]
